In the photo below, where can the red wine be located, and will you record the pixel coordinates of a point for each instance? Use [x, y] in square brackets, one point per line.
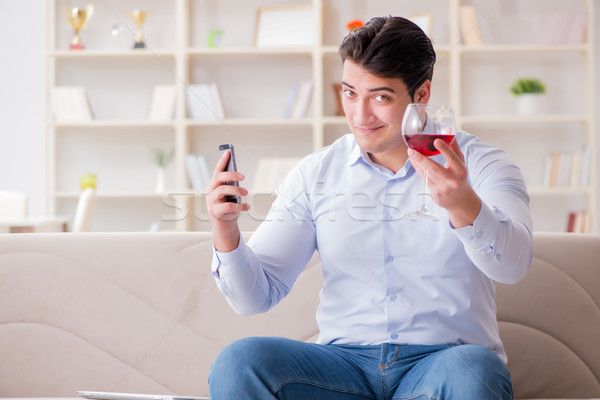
[424, 143]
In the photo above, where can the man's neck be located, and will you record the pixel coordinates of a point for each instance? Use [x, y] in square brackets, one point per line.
[393, 160]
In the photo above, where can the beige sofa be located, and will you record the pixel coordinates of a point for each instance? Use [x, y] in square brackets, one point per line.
[140, 312]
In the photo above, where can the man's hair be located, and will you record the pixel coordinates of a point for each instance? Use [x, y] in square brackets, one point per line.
[391, 47]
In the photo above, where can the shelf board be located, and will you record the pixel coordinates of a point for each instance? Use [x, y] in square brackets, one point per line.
[113, 124]
[119, 195]
[335, 120]
[234, 51]
[517, 119]
[125, 53]
[525, 48]
[249, 122]
[333, 50]
[563, 190]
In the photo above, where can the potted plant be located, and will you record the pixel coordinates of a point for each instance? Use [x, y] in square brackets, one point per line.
[162, 158]
[528, 92]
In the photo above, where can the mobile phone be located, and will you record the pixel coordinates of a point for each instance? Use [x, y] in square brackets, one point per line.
[231, 166]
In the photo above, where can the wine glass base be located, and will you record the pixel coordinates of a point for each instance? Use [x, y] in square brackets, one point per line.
[414, 216]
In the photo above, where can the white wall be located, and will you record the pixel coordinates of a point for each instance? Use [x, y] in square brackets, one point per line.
[22, 43]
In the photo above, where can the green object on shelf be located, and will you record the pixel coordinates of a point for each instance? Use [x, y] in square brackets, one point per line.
[211, 37]
[527, 85]
[163, 158]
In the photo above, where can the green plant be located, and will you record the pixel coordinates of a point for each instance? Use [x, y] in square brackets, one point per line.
[527, 85]
[163, 157]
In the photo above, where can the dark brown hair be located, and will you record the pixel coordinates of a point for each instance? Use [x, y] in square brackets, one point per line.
[391, 47]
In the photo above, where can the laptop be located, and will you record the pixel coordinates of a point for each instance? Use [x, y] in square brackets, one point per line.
[133, 396]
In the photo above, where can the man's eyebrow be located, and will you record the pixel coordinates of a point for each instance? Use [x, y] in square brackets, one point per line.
[376, 89]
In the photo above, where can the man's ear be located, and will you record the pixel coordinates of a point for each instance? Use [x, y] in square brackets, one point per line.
[423, 93]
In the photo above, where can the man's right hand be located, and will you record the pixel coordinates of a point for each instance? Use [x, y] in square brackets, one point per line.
[224, 214]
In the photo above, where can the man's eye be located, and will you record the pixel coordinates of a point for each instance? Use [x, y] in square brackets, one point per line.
[348, 93]
[381, 97]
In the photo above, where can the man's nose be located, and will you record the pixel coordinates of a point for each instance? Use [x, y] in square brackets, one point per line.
[364, 113]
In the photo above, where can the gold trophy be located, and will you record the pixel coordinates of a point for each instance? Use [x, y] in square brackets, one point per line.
[138, 17]
[77, 18]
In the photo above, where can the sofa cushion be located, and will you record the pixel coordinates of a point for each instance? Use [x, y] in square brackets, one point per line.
[550, 321]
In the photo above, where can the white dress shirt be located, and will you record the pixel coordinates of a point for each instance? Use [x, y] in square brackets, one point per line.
[387, 278]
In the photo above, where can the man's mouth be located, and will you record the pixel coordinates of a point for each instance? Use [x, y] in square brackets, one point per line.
[367, 130]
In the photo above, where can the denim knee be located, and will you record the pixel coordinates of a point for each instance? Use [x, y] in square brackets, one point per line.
[477, 371]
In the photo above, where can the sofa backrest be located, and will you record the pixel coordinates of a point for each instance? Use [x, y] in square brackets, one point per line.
[130, 312]
[140, 312]
[550, 321]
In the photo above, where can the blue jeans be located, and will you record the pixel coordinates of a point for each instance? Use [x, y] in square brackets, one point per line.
[277, 368]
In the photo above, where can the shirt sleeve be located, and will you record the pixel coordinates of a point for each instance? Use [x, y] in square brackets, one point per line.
[257, 275]
[500, 240]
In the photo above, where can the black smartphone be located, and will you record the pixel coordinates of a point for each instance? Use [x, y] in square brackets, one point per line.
[231, 166]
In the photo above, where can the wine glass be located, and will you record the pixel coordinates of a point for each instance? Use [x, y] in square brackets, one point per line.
[421, 125]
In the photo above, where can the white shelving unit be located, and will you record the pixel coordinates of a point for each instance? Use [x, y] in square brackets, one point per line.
[255, 85]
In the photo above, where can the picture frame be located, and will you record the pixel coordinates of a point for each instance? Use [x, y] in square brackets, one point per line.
[424, 21]
[285, 26]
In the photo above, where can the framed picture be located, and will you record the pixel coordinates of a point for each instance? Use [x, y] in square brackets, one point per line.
[285, 26]
[424, 22]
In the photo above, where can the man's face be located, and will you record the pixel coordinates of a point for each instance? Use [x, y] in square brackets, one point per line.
[374, 108]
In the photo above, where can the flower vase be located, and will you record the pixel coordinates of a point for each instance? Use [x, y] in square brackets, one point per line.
[160, 180]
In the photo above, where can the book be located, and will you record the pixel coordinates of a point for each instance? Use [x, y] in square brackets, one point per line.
[579, 222]
[197, 169]
[586, 160]
[289, 109]
[567, 169]
[469, 30]
[162, 104]
[70, 104]
[303, 99]
[204, 102]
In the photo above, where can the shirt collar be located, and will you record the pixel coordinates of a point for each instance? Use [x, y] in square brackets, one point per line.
[355, 155]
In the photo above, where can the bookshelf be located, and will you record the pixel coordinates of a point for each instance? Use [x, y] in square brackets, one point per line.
[255, 84]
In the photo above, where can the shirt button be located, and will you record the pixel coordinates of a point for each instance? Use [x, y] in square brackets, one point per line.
[479, 234]
[393, 297]
[498, 256]
[389, 259]
[394, 336]
[389, 218]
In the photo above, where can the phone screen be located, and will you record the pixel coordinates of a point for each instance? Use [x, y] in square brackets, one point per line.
[231, 166]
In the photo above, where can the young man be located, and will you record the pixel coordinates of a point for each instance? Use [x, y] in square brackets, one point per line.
[407, 307]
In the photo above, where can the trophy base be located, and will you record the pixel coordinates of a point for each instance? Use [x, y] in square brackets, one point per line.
[77, 46]
[139, 45]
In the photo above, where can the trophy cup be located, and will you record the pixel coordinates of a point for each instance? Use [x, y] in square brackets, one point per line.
[77, 18]
[138, 17]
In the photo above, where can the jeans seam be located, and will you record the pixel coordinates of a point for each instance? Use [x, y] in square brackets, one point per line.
[413, 396]
[281, 384]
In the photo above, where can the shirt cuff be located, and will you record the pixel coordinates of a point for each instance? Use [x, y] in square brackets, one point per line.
[222, 261]
[484, 230]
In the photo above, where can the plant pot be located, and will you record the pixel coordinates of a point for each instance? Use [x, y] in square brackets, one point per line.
[528, 103]
[160, 180]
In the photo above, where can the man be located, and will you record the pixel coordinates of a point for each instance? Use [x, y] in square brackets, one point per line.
[407, 308]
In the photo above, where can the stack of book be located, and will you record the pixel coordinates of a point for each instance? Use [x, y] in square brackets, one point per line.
[568, 168]
[204, 102]
[198, 171]
[70, 104]
[162, 105]
[299, 100]
[579, 222]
